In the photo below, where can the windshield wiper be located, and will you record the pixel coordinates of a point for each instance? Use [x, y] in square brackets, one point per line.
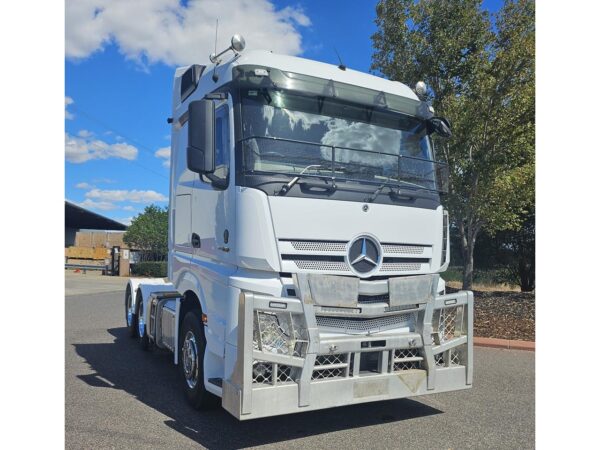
[378, 191]
[286, 187]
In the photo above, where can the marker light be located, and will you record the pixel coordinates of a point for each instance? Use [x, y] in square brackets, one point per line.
[238, 43]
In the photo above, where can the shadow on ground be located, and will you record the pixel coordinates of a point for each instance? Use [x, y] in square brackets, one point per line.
[154, 380]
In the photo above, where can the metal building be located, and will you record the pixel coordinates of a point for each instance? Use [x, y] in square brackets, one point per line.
[78, 218]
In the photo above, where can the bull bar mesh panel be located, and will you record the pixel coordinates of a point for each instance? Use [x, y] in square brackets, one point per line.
[406, 359]
[366, 325]
[330, 366]
[450, 322]
[262, 373]
[452, 357]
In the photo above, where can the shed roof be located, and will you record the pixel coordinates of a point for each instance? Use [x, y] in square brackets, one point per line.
[81, 218]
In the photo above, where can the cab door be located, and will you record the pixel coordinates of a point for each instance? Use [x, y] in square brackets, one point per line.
[213, 212]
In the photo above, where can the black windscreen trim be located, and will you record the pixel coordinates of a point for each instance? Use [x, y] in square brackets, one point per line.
[406, 260]
[312, 240]
[312, 258]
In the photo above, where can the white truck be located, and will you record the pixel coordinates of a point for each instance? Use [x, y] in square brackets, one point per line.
[306, 241]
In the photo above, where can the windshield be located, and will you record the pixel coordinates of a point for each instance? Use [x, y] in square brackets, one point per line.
[292, 134]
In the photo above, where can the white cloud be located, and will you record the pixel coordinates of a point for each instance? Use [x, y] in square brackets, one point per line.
[134, 196]
[125, 221]
[81, 149]
[108, 200]
[104, 206]
[165, 154]
[84, 185]
[69, 115]
[104, 181]
[85, 133]
[179, 33]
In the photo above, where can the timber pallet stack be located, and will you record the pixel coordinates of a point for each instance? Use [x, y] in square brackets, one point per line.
[93, 248]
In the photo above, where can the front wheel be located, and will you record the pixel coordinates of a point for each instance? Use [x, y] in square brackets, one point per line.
[191, 361]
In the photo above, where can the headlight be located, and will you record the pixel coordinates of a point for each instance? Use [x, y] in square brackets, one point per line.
[282, 333]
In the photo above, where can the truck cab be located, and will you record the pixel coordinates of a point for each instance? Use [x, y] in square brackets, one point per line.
[306, 241]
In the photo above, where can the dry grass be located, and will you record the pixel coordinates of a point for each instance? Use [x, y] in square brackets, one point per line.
[486, 287]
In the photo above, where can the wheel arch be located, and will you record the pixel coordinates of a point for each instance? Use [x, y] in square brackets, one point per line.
[189, 302]
[135, 284]
[193, 295]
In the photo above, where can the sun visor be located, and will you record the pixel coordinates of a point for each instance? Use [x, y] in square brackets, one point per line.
[257, 77]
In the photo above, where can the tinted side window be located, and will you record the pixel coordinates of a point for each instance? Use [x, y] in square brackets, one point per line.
[222, 144]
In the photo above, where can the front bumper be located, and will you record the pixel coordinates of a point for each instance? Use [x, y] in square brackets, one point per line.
[435, 355]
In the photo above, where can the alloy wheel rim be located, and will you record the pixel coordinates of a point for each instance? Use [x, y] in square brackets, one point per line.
[190, 359]
[141, 323]
[129, 313]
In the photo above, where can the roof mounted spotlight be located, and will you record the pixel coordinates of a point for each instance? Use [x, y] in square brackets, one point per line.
[238, 43]
[421, 88]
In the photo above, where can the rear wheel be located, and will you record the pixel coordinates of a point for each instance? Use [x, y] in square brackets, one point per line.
[130, 316]
[191, 362]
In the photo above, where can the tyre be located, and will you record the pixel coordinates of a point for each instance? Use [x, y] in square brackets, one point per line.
[141, 324]
[130, 316]
[192, 345]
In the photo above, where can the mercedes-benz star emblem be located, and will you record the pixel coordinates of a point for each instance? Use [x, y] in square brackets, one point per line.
[364, 255]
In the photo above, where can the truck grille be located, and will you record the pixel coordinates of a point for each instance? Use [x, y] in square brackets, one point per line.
[334, 266]
[400, 267]
[319, 246]
[340, 266]
[329, 256]
[403, 249]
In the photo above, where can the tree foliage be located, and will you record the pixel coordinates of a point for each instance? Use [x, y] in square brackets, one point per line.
[481, 74]
[516, 255]
[148, 233]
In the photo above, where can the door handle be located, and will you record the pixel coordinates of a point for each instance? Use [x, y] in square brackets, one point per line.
[196, 243]
[224, 249]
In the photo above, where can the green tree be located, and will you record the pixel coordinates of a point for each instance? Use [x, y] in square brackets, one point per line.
[515, 255]
[482, 78]
[148, 233]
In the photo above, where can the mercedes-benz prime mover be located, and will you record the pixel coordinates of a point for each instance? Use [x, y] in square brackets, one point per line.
[306, 241]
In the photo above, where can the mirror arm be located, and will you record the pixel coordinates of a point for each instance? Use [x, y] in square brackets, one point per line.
[217, 182]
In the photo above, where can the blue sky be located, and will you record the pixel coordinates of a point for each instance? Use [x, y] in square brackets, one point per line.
[118, 76]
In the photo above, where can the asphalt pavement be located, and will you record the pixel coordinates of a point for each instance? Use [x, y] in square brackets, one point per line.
[118, 396]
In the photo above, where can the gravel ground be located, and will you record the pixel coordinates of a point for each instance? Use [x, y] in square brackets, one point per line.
[504, 314]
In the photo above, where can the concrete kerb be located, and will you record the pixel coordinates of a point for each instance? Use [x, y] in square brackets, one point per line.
[504, 343]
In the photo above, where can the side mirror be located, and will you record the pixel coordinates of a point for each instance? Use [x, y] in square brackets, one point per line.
[439, 125]
[201, 137]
